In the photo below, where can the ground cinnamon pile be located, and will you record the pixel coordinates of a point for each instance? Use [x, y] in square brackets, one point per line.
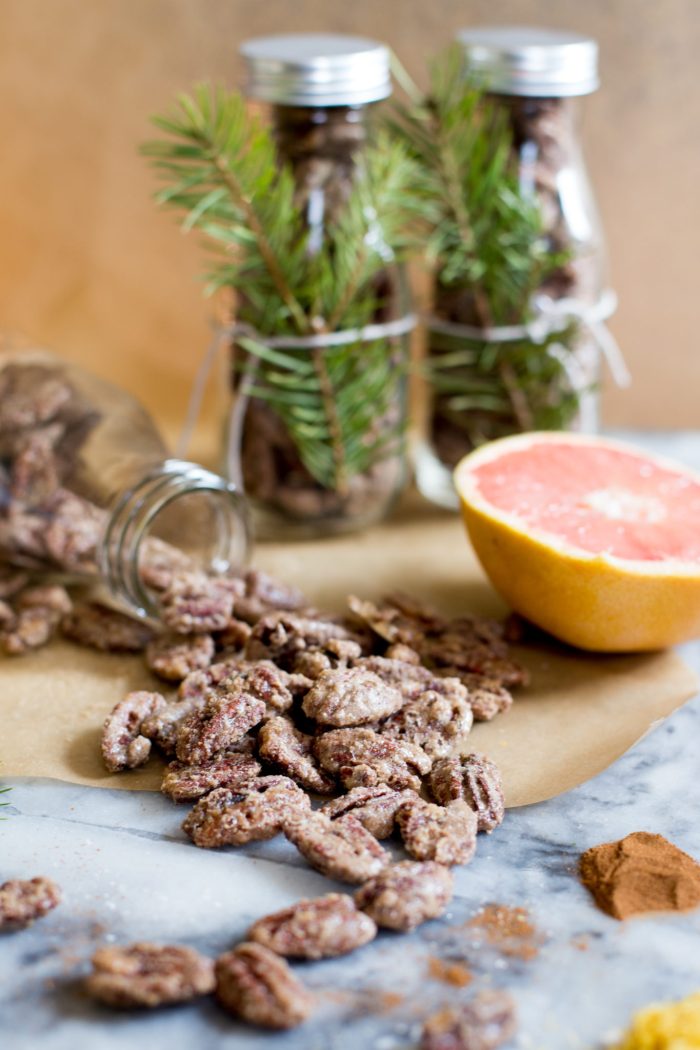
[640, 873]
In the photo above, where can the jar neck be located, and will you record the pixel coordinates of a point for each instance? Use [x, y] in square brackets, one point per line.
[194, 514]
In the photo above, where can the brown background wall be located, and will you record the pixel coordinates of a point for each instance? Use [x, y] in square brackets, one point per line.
[88, 265]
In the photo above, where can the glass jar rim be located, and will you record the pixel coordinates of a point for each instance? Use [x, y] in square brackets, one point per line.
[531, 62]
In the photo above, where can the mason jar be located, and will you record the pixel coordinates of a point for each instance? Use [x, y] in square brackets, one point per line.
[318, 93]
[540, 370]
[89, 493]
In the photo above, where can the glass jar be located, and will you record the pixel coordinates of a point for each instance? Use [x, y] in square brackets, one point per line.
[496, 375]
[87, 490]
[304, 478]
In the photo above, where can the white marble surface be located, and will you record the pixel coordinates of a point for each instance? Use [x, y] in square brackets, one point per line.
[129, 872]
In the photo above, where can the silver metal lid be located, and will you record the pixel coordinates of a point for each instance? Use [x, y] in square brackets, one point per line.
[515, 60]
[316, 69]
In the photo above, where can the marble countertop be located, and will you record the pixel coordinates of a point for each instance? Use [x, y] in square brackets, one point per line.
[128, 873]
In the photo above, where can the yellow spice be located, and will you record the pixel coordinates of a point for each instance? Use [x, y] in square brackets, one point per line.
[665, 1026]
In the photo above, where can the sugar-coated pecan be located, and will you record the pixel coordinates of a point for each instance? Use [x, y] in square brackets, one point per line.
[446, 834]
[162, 727]
[404, 653]
[145, 975]
[484, 1023]
[45, 596]
[398, 619]
[257, 811]
[264, 679]
[258, 986]
[404, 895]
[435, 722]
[279, 636]
[341, 849]
[195, 602]
[410, 679]
[374, 807]
[159, 563]
[234, 636]
[34, 473]
[362, 758]
[123, 745]
[475, 646]
[477, 781]
[285, 746]
[100, 628]
[12, 581]
[8, 616]
[24, 900]
[173, 657]
[30, 394]
[350, 697]
[232, 770]
[32, 629]
[71, 531]
[487, 696]
[263, 593]
[229, 711]
[337, 653]
[315, 929]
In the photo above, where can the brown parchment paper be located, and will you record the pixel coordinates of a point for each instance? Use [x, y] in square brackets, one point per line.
[577, 716]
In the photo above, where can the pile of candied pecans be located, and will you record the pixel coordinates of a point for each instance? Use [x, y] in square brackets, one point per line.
[277, 701]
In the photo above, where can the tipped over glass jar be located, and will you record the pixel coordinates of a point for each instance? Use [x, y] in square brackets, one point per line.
[538, 369]
[89, 493]
[317, 430]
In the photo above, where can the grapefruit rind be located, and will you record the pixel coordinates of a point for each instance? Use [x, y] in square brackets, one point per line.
[599, 602]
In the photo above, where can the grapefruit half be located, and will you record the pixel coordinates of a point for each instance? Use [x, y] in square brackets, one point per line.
[593, 540]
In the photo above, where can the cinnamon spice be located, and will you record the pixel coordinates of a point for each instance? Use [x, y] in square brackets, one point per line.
[449, 972]
[507, 929]
[640, 873]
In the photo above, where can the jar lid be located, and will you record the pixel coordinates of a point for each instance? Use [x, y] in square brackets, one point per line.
[316, 69]
[545, 63]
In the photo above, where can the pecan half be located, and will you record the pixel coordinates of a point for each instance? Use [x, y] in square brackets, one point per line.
[195, 602]
[321, 928]
[487, 696]
[341, 849]
[363, 758]
[257, 811]
[145, 975]
[436, 723]
[123, 745]
[484, 1023]
[263, 593]
[279, 636]
[404, 895]
[162, 727]
[350, 697]
[97, 627]
[476, 780]
[374, 807]
[226, 716]
[255, 984]
[233, 770]
[173, 657]
[446, 834]
[24, 900]
[33, 628]
[281, 744]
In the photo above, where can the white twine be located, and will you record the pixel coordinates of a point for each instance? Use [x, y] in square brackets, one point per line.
[226, 333]
[551, 316]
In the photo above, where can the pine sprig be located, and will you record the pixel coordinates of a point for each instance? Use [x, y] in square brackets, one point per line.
[485, 235]
[221, 172]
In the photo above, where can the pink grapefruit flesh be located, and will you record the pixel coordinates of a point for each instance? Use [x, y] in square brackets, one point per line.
[595, 541]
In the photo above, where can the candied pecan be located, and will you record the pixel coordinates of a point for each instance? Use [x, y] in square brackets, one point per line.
[34, 467]
[23, 901]
[404, 653]
[363, 758]
[341, 849]
[281, 744]
[101, 628]
[162, 727]
[232, 770]
[194, 602]
[173, 657]
[434, 722]
[123, 746]
[446, 834]
[350, 697]
[264, 594]
[12, 581]
[487, 696]
[409, 678]
[148, 975]
[235, 635]
[72, 529]
[477, 647]
[159, 563]
[45, 596]
[477, 781]
[257, 985]
[315, 929]
[397, 619]
[31, 394]
[374, 807]
[8, 616]
[33, 628]
[255, 811]
[279, 636]
[229, 711]
[404, 895]
[336, 653]
[484, 1023]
